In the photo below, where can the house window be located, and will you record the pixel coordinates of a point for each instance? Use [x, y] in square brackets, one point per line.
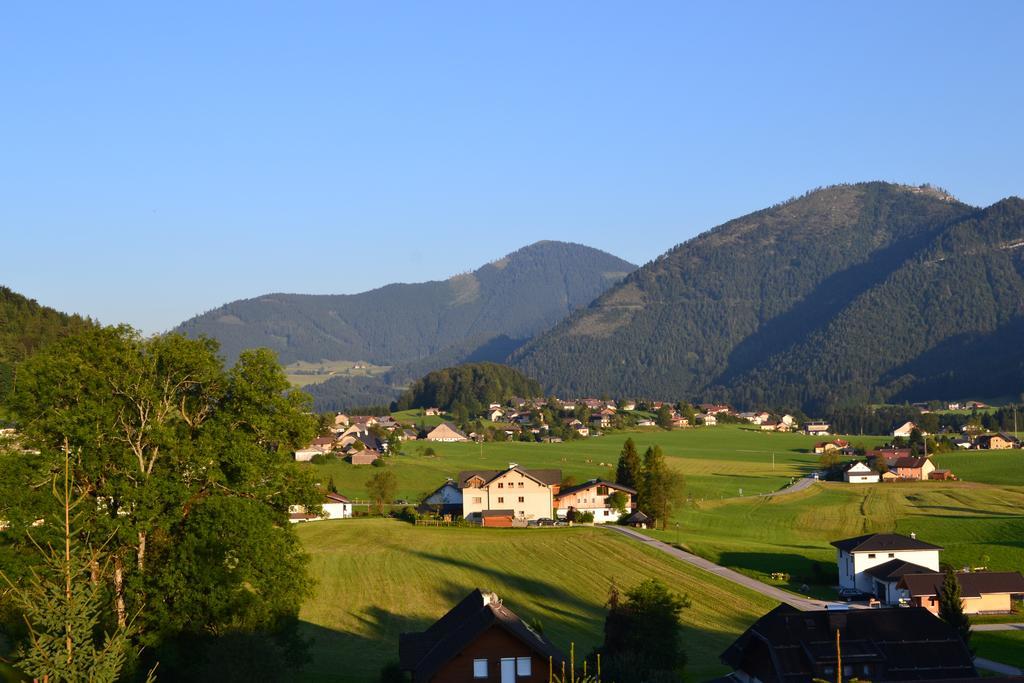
[892, 554]
[478, 500]
[479, 668]
[602, 490]
[524, 666]
[500, 499]
[522, 499]
[871, 556]
[501, 485]
[521, 484]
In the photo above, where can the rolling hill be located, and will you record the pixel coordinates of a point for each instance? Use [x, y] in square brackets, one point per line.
[848, 294]
[414, 328]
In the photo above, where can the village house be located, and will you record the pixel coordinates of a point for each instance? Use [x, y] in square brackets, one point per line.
[341, 420]
[873, 563]
[319, 446]
[714, 408]
[601, 419]
[510, 497]
[997, 442]
[905, 430]
[495, 414]
[592, 496]
[817, 428]
[579, 427]
[914, 468]
[859, 473]
[788, 644]
[627, 405]
[335, 506]
[430, 412]
[367, 456]
[834, 445]
[980, 592]
[755, 417]
[480, 639]
[446, 499]
[707, 419]
[446, 432]
[679, 422]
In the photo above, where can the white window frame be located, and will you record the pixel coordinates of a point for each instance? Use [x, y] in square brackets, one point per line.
[479, 668]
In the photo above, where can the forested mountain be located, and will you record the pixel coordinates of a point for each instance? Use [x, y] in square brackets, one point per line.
[848, 294]
[516, 297]
[25, 327]
[468, 388]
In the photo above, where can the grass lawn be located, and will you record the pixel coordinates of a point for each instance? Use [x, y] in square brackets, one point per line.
[717, 462]
[1003, 468]
[1005, 647]
[303, 373]
[376, 578]
[976, 524]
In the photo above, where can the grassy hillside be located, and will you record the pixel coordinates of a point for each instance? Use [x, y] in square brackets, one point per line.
[849, 294]
[977, 524]
[377, 578]
[716, 462]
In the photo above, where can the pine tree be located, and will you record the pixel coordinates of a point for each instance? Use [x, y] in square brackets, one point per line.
[629, 470]
[951, 608]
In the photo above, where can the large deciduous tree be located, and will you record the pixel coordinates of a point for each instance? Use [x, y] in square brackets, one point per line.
[187, 468]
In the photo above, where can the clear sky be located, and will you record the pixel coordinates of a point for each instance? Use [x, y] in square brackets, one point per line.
[157, 161]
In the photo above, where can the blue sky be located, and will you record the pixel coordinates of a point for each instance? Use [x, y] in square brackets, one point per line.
[157, 161]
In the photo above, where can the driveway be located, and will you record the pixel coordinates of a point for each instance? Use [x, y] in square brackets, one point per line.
[764, 589]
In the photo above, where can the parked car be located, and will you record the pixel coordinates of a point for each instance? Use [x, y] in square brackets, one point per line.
[853, 595]
[545, 521]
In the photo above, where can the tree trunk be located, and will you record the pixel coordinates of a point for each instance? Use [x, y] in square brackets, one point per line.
[122, 615]
[142, 551]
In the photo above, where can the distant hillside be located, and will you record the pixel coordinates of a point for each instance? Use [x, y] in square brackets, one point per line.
[848, 294]
[25, 327]
[478, 316]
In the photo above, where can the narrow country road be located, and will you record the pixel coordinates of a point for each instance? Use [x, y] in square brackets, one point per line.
[798, 485]
[997, 627]
[727, 574]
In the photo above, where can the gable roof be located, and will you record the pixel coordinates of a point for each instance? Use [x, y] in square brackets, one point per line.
[894, 569]
[446, 427]
[331, 497]
[594, 482]
[637, 517]
[870, 543]
[901, 644]
[972, 584]
[912, 463]
[548, 477]
[425, 652]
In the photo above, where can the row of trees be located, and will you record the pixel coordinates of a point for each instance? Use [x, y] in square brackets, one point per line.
[175, 520]
[659, 488]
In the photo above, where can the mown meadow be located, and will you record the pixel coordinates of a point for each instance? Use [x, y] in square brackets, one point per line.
[376, 578]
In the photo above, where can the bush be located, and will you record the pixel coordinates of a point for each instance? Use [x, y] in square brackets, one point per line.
[379, 462]
[585, 517]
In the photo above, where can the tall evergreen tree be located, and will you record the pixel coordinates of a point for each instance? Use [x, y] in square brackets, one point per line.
[951, 607]
[661, 488]
[629, 468]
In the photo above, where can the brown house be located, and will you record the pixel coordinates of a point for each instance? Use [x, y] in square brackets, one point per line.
[364, 457]
[478, 640]
[913, 468]
[997, 442]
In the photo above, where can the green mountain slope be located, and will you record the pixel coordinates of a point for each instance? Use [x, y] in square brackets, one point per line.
[849, 293]
[517, 296]
[25, 327]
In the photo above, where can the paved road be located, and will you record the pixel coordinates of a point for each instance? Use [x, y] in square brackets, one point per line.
[728, 574]
[1001, 669]
[799, 485]
[997, 627]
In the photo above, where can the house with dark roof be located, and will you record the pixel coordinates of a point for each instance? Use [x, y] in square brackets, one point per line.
[480, 639]
[592, 496]
[446, 499]
[980, 592]
[790, 646]
[856, 556]
[996, 442]
[914, 468]
[529, 494]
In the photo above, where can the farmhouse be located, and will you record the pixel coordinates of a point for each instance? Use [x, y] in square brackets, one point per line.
[878, 645]
[913, 468]
[363, 457]
[592, 496]
[478, 639]
[980, 592]
[860, 473]
[446, 499]
[707, 419]
[446, 432]
[335, 506]
[997, 442]
[523, 494]
[905, 429]
[816, 428]
[856, 556]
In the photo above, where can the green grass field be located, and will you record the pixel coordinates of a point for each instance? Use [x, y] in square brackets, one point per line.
[377, 578]
[717, 462]
[978, 525]
[1002, 468]
[1005, 647]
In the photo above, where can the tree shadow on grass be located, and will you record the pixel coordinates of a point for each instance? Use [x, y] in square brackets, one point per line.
[806, 576]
